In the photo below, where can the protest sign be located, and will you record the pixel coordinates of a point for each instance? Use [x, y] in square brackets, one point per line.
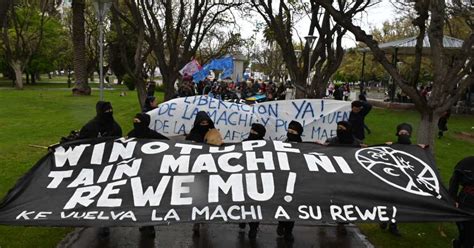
[318, 117]
[135, 182]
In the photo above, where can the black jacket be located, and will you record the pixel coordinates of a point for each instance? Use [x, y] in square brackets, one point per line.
[198, 132]
[357, 121]
[463, 175]
[103, 124]
[141, 130]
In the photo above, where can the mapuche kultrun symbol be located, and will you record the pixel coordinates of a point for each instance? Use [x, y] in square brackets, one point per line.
[400, 170]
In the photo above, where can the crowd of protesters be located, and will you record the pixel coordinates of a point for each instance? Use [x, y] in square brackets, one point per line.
[233, 91]
[348, 133]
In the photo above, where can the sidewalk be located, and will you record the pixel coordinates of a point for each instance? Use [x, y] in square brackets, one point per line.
[216, 236]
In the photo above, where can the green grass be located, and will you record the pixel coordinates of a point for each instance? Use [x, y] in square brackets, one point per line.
[41, 116]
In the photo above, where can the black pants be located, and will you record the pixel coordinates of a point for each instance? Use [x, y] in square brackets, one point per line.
[287, 226]
[466, 234]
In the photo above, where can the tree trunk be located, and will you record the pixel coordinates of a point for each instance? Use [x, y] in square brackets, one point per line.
[428, 128]
[34, 77]
[16, 66]
[27, 78]
[81, 87]
[169, 80]
[141, 91]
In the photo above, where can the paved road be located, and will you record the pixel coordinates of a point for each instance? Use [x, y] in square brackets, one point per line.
[216, 236]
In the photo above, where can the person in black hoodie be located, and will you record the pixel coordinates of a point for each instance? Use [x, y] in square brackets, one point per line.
[202, 124]
[257, 132]
[103, 124]
[359, 110]
[141, 129]
[463, 175]
[285, 228]
[344, 136]
[404, 131]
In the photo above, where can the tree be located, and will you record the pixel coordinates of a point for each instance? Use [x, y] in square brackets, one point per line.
[176, 30]
[128, 17]
[326, 56]
[22, 35]
[452, 72]
[81, 85]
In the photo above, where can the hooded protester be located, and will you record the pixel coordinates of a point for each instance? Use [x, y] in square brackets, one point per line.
[463, 175]
[202, 124]
[151, 103]
[285, 228]
[257, 132]
[357, 118]
[141, 129]
[404, 133]
[344, 136]
[295, 130]
[103, 124]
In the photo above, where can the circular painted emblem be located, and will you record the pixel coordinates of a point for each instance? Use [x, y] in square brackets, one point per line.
[400, 170]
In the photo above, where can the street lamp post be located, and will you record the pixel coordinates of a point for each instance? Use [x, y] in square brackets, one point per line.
[101, 7]
[309, 39]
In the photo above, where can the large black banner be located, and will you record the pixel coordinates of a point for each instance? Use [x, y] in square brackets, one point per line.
[149, 182]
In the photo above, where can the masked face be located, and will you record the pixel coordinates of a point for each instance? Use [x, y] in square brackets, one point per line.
[344, 136]
[138, 124]
[293, 136]
[108, 115]
[404, 139]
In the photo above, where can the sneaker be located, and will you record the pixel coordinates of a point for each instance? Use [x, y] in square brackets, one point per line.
[104, 232]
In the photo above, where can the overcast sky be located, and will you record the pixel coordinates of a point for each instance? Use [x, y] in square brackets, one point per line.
[373, 17]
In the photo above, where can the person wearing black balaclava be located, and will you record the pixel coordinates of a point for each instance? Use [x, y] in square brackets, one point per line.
[463, 175]
[403, 133]
[257, 132]
[202, 124]
[295, 130]
[103, 125]
[141, 129]
[285, 228]
[343, 136]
